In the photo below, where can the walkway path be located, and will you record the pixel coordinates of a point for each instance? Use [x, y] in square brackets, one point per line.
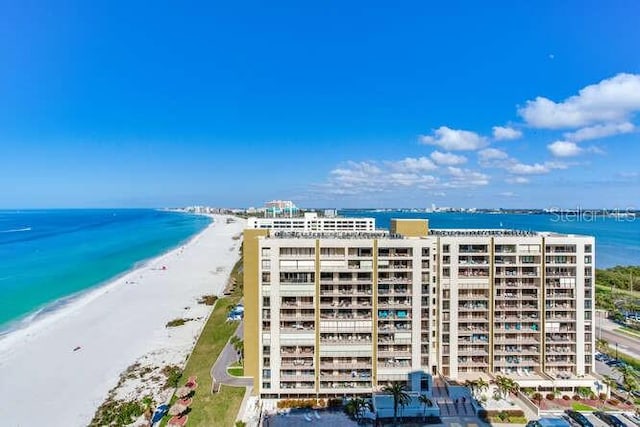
[228, 356]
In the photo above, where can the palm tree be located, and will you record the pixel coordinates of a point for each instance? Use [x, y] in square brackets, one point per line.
[610, 383]
[426, 402]
[504, 385]
[352, 408]
[514, 387]
[400, 397]
[602, 345]
[629, 379]
[481, 385]
[356, 406]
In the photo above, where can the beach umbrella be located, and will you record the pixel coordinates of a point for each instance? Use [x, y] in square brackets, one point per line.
[177, 409]
[183, 392]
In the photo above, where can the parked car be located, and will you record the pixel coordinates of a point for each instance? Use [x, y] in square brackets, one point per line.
[549, 422]
[609, 419]
[578, 418]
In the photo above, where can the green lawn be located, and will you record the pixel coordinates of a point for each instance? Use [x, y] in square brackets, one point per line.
[633, 332]
[577, 406]
[219, 409]
[236, 371]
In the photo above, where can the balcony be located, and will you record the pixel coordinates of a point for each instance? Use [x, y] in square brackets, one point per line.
[296, 351]
[301, 316]
[296, 363]
[296, 377]
[344, 364]
[349, 375]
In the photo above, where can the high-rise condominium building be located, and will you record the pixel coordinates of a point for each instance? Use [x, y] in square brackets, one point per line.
[342, 312]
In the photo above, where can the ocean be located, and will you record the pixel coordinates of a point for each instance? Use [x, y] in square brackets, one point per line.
[49, 257]
[617, 238]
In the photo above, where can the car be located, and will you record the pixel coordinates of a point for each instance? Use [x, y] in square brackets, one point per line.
[578, 418]
[614, 362]
[609, 419]
[549, 422]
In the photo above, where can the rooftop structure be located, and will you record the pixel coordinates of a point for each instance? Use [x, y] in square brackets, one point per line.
[311, 222]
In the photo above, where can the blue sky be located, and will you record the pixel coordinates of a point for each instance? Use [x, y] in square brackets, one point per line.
[331, 104]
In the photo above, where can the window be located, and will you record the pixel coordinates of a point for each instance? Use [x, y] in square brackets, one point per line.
[266, 264]
[445, 249]
[266, 252]
[587, 249]
[587, 259]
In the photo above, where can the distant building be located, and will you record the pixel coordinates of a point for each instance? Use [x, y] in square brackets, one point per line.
[281, 208]
[312, 222]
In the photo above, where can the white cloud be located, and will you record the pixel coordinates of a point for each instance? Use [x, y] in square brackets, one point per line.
[600, 131]
[460, 178]
[564, 149]
[454, 140]
[518, 168]
[492, 154]
[505, 133]
[412, 164]
[525, 169]
[517, 180]
[353, 178]
[611, 100]
[507, 194]
[448, 159]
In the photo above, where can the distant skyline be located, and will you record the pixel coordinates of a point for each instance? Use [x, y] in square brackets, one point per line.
[329, 104]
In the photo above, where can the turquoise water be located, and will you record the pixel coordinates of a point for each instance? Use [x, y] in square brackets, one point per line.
[47, 255]
[617, 239]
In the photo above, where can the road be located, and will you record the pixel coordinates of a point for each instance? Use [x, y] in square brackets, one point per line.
[227, 357]
[626, 344]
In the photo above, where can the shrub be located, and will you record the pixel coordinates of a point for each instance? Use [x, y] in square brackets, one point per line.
[117, 412]
[208, 299]
[537, 397]
[334, 403]
[173, 374]
[502, 415]
[296, 403]
[613, 402]
[602, 396]
[550, 396]
[176, 322]
[241, 424]
[565, 397]
[576, 397]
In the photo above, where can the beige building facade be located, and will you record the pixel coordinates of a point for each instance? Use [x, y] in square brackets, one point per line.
[336, 313]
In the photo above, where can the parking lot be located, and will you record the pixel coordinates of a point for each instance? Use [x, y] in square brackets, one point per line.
[597, 422]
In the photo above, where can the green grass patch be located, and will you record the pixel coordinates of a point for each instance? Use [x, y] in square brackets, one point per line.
[219, 409]
[236, 371]
[629, 331]
[577, 406]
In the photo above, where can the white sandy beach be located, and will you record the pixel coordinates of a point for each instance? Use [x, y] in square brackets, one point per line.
[44, 382]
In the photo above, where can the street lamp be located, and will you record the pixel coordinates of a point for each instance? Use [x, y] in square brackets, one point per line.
[616, 351]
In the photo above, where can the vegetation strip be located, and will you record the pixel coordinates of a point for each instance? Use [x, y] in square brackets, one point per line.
[221, 408]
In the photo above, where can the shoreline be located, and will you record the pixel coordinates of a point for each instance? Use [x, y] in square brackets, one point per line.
[71, 360]
[69, 302]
